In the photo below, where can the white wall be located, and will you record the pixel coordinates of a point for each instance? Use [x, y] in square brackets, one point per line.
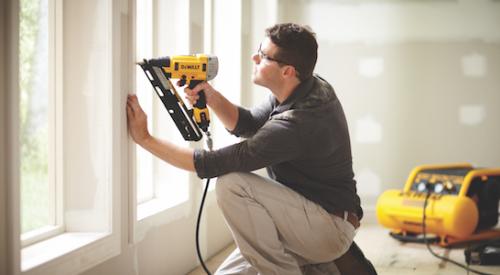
[263, 14]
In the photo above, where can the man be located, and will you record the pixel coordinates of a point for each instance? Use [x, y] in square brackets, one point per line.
[305, 215]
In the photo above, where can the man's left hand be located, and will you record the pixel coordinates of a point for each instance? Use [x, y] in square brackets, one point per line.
[137, 120]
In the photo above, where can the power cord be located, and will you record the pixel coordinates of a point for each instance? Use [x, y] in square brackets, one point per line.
[200, 258]
[198, 229]
[436, 255]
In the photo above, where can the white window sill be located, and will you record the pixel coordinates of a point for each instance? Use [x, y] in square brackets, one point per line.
[39, 234]
[157, 212]
[157, 206]
[68, 253]
[151, 207]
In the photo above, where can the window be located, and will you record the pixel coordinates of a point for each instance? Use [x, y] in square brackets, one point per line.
[158, 183]
[159, 186]
[65, 127]
[40, 216]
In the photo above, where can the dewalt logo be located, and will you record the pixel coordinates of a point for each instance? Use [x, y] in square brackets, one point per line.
[190, 67]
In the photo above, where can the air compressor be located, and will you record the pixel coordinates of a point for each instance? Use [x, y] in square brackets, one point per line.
[461, 204]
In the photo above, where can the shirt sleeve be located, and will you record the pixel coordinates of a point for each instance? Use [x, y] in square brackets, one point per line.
[249, 121]
[275, 142]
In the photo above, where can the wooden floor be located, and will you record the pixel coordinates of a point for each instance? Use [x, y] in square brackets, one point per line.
[389, 256]
[214, 262]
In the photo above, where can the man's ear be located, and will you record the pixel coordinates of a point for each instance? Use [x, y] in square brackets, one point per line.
[289, 71]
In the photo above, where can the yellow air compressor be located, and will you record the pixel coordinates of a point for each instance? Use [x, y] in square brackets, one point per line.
[462, 204]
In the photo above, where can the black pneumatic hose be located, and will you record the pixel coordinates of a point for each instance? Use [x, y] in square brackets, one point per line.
[198, 229]
[424, 216]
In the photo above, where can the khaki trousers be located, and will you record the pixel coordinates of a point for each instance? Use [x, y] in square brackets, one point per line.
[278, 231]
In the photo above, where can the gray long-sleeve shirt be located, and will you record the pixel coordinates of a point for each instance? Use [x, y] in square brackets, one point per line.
[303, 142]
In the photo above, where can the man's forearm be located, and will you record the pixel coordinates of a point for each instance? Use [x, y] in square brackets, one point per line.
[175, 155]
[226, 111]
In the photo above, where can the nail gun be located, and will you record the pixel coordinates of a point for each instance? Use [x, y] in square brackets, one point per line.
[190, 70]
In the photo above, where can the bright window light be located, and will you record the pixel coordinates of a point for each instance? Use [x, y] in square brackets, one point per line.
[144, 50]
[36, 171]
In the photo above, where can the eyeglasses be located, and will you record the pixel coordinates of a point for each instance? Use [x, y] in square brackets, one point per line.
[262, 55]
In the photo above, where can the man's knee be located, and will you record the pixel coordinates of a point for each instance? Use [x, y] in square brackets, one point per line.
[223, 184]
[228, 185]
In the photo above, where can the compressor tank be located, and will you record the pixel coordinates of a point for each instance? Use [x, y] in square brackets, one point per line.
[446, 215]
[452, 212]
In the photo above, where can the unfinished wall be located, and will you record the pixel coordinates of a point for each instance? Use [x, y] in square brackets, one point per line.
[418, 81]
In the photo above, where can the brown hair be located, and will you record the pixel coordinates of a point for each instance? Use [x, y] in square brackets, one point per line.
[297, 47]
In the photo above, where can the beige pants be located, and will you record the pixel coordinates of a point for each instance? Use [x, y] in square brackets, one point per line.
[277, 230]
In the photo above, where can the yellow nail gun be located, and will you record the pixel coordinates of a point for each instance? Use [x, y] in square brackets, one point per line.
[190, 70]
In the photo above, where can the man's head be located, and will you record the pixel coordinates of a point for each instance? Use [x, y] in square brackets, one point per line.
[289, 51]
[285, 57]
[297, 47]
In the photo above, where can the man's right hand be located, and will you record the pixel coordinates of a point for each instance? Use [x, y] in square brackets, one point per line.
[192, 94]
[223, 108]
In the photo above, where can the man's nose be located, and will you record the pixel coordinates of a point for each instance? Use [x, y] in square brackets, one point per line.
[256, 58]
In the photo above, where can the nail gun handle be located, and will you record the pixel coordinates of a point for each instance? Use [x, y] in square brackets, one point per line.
[200, 110]
[201, 103]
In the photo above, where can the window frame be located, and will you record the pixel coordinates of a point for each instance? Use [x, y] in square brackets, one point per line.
[71, 251]
[145, 211]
